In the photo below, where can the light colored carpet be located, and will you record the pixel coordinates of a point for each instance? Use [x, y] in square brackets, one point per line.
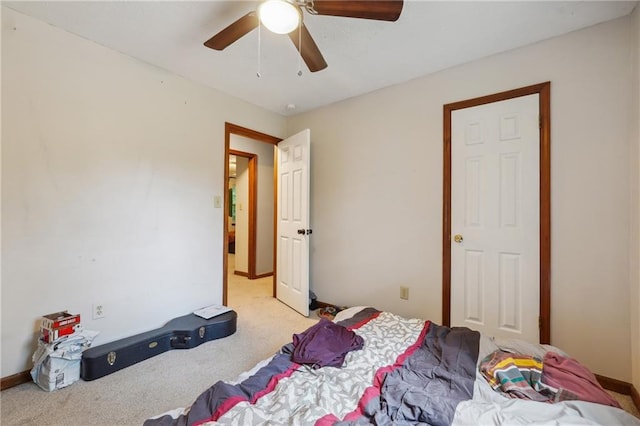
[175, 378]
[626, 403]
[167, 381]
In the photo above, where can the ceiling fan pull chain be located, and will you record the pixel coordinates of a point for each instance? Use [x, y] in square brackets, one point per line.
[300, 44]
[259, 50]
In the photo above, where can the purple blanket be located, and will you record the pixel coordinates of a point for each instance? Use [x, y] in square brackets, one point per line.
[325, 344]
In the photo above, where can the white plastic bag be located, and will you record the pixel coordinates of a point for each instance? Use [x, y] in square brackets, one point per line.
[57, 364]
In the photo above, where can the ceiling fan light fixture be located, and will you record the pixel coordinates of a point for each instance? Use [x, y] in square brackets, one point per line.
[279, 16]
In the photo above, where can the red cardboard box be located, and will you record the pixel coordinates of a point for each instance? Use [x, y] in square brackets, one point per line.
[49, 336]
[59, 320]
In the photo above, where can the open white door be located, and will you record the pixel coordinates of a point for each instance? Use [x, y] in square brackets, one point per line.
[292, 271]
[495, 218]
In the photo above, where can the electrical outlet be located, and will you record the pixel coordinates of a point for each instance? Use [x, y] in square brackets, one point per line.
[98, 311]
[217, 202]
[404, 293]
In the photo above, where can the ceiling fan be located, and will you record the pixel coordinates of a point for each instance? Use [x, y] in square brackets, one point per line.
[286, 17]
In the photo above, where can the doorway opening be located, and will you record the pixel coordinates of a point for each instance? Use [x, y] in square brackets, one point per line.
[232, 130]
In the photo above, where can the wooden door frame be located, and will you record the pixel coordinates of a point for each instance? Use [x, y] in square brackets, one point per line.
[233, 129]
[544, 92]
[251, 206]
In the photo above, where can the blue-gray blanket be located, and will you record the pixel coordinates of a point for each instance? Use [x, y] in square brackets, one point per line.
[430, 383]
[424, 388]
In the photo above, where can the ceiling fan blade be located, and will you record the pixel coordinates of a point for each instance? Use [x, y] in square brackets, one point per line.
[381, 10]
[310, 52]
[233, 32]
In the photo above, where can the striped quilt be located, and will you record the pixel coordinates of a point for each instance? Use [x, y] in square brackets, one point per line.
[516, 375]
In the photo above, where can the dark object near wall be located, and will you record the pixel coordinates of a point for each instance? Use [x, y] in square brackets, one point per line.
[231, 236]
[184, 332]
[313, 301]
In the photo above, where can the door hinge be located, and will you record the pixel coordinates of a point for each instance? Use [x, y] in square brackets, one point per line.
[540, 323]
[539, 122]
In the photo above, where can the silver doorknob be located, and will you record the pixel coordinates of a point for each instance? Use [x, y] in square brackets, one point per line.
[457, 238]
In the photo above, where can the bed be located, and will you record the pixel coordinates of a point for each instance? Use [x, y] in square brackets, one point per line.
[380, 368]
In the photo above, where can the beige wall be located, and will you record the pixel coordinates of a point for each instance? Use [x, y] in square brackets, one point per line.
[109, 171]
[635, 208]
[377, 188]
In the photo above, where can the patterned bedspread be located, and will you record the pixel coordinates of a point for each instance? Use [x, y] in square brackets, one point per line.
[382, 381]
[409, 371]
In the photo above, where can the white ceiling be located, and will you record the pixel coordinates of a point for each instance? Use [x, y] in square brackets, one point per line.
[363, 55]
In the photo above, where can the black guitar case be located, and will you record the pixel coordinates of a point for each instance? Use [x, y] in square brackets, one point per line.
[184, 332]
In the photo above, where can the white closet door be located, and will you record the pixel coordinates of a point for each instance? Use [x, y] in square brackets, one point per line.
[495, 218]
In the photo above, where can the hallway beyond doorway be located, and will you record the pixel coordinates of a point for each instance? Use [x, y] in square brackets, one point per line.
[243, 291]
